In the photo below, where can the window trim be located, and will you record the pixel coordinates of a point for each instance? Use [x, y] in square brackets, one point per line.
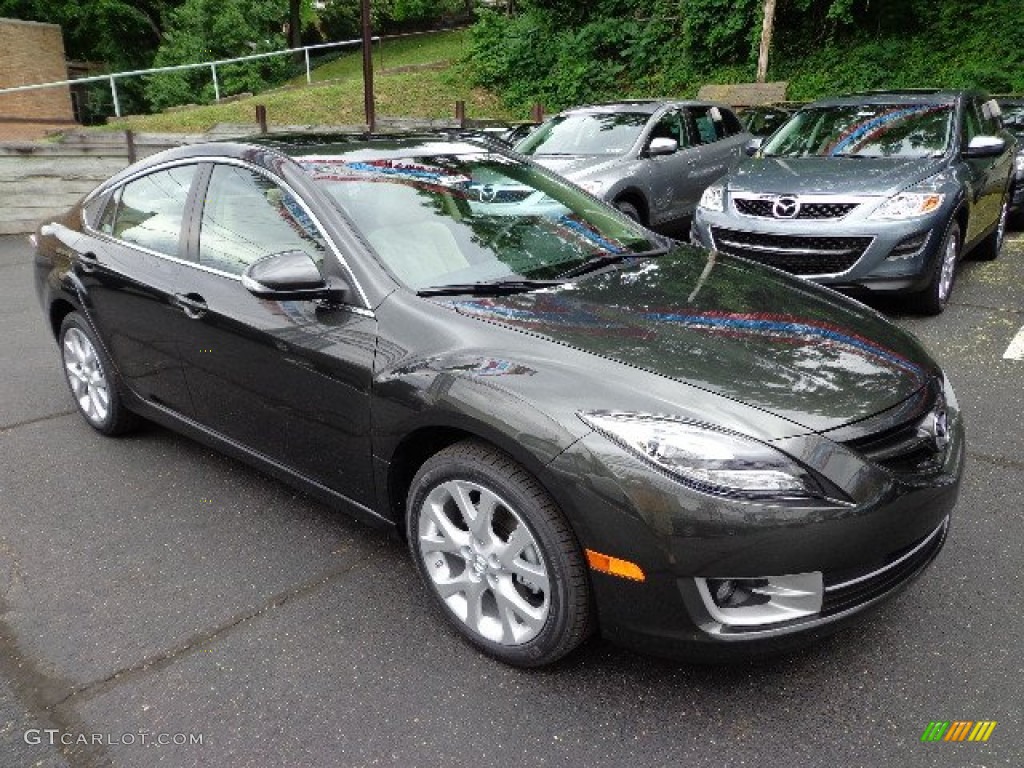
[200, 184]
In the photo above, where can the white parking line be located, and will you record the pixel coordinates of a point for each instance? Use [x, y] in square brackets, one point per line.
[1016, 349]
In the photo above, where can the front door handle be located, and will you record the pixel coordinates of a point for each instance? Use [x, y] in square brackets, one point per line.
[192, 304]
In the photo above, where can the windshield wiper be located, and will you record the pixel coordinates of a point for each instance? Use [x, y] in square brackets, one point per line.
[488, 288]
[602, 260]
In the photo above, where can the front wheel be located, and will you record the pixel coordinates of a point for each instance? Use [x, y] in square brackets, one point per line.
[933, 299]
[498, 557]
[629, 209]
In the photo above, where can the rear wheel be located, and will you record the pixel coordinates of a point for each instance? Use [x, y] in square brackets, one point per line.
[498, 557]
[933, 299]
[91, 378]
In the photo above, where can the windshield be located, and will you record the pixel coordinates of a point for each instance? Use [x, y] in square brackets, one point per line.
[473, 218]
[865, 130]
[604, 133]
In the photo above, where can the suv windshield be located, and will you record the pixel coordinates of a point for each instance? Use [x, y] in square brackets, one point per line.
[474, 218]
[601, 133]
[865, 130]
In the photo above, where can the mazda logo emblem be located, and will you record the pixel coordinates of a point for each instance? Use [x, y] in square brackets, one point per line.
[786, 207]
[487, 194]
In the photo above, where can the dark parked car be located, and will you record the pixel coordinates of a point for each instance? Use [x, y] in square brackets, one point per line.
[651, 159]
[1013, 121]
[881, 191]
[763, 120]
[575, 422]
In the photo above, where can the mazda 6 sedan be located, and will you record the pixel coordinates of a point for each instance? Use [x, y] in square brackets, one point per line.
[576, 424]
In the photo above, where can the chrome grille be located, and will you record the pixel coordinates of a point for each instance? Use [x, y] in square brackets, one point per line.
[799, 254]
[764, 209]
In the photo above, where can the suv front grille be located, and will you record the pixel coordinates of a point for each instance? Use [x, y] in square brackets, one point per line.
[798, 254]
[764, 209]
[848, 589]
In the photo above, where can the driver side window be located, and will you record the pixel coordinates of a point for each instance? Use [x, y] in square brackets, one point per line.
[669, 127]
[246, 216]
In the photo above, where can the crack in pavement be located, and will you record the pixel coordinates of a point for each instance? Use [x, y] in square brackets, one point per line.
[171, 655]
[27, 422]
[50, 699]
[997, 461]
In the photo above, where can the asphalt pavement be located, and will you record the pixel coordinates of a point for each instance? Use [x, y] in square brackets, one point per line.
[154, 591]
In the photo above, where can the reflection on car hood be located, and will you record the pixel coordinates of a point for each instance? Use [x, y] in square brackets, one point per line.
[574, 166]
[831, 175]
[729, 327]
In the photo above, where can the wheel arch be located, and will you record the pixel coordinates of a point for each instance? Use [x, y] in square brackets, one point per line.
[59, 309]
[637, 199]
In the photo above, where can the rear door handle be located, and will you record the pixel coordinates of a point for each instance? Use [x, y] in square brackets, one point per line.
[192, 304]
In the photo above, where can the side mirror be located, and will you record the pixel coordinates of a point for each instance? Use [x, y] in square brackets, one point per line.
[662, 146]
[751, 147]
[289, 276]
[985, 146]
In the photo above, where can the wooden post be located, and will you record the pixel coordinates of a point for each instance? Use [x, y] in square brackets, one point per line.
[129, 140]
[261, 117]
[460, 113]
[766, 40]
[371, 118]
[537, 113]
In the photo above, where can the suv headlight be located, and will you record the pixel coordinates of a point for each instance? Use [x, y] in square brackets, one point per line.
[713, 198]
[907, 205]
[709, 459]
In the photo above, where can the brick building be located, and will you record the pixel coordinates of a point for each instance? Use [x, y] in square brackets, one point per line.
[32, 52]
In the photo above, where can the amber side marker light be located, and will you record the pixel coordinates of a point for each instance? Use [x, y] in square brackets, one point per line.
[614, 566]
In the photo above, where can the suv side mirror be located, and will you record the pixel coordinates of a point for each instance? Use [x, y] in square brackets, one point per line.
[751, 147]
[290, 276]
[662, 146]
[985, 146]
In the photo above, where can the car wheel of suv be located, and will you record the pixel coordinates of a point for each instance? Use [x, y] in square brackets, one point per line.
[91, 378]
[629, 209]
[989, 248]
[497, 555]
[933, 299]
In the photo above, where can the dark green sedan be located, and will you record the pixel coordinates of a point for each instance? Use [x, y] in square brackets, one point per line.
[576, 424]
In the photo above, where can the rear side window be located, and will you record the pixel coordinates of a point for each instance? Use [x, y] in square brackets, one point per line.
[152, 208]
[709, 122]
[246, 216]
[105, 224]
[731, 123]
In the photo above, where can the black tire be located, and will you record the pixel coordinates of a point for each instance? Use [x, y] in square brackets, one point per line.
[630, 210]
[93, 382]
[933, 299]
[989, 248]
[463, 556]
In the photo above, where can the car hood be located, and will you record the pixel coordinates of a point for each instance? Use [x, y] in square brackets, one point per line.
[831, 175]
[757, 336]
[576, 166]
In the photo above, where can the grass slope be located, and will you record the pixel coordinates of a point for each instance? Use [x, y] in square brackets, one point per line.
[415, 76]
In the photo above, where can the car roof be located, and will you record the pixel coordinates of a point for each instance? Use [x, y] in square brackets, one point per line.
[641, 106]
[896, 96]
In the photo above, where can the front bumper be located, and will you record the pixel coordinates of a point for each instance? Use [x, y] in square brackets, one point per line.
[890, 256]
[866, 551]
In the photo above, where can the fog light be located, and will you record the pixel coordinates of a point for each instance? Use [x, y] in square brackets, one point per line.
[908, 247]
[750, 602]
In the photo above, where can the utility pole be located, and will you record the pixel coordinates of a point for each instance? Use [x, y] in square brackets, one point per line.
[766, 40]
[371, 119]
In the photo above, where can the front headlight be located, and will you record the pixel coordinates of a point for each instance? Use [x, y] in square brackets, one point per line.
[907, 205]
[706, 458]
[713, 198]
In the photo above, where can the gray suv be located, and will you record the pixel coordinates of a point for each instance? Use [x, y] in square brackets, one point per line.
[879, 191]
[651, 159]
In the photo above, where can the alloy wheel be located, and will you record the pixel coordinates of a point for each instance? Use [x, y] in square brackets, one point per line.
[484, 562]
[949, 258]
[89, 383]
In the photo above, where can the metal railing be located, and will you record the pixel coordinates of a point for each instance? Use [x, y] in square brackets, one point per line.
[211, 65]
